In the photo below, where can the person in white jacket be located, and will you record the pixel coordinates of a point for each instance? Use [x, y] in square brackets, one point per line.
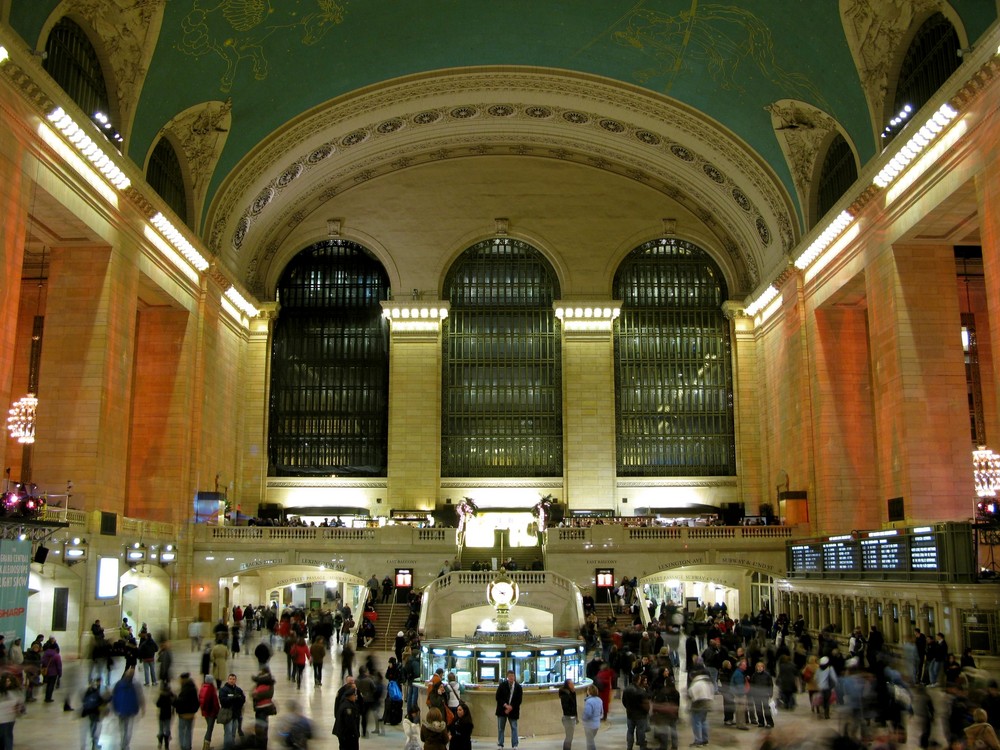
[411, 730]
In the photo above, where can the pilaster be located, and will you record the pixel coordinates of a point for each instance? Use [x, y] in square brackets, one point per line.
[589, 457]
[414, 402]
[919, 389]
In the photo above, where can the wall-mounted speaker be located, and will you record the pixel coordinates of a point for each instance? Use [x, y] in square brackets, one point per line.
[41, 553]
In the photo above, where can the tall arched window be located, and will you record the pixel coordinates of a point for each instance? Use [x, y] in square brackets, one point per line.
[502, 405]
[930, 60]
[839, 172]
[329, 411]
[72, 62]
[164, 175]
[673, 369]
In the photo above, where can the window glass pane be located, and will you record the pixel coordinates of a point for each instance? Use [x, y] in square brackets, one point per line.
[165, 177]
[329, 410]
[673, 370]
[501, 404]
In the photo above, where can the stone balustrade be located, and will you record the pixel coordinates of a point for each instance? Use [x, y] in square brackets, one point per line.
[609, 536]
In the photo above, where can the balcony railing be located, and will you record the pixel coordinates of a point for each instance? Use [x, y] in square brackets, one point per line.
[614, 534]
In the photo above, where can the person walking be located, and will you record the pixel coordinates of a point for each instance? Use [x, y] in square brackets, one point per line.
[92, 706]
[701, 691]
[299, 654]
[317, 654]
[570, 718]
[11, 706]
[208, 700]
[635, 699]
[164, 715]
[186, 705]
[128, 701]
[218, 659]
[593, 714]
[434, 731]
[508, 699]
[664, 709]
[761, 690]
[263, 705]
[826, 683]
[739, 685]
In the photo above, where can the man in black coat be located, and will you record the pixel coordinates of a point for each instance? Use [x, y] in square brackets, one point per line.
[347, 725]
[509, 695]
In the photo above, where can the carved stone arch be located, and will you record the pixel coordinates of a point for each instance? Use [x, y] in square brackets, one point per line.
[879, 33]
[544, 246]
[310, 236]
[804, 133]
[198, 135]
[124, 35]
[515, 113]
[712, 245]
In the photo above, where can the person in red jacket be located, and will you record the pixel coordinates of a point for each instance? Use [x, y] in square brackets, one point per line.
[208, 699]
[605, 681]
[299, 655]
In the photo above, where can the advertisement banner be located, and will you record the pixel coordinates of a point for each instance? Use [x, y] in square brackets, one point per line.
[15, 563]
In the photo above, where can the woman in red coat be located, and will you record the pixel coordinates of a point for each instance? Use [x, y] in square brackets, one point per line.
[605, 680]
[299, 654]
[208, 699]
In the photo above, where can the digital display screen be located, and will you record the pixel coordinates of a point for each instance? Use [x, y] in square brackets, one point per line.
[107, 578]
[924, 552]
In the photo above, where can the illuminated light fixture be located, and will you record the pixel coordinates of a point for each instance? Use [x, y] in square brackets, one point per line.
[179, 241]
[241, 302]
[762, 301]
[4, 54]
[396, 313]
[90, 150]
[897, 120]
[137, 553]
[21, 419]
[415, 318]
[921, 139]
[591, 318]
[825, 239]
[168, 555]
[986, 471]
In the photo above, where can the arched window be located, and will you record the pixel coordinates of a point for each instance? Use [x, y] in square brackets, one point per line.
[929, 61]
[502, 405]
[163, 173]
[329, 410]
[839, 172]
[72, 62]
[673, 368]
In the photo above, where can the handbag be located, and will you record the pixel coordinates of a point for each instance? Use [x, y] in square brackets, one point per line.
[225, 716]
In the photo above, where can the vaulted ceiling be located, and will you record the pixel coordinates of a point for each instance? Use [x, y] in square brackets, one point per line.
[277, 106]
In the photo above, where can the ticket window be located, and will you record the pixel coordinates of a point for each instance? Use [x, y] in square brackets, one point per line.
[404, 584]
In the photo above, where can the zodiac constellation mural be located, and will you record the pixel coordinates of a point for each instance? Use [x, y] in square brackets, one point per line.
[236, 29]
[722, 38]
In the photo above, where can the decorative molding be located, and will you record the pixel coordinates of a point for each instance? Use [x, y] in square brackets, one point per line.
[677, 482]
[472, 484]
[647, 138]
[327, 482]
[128, 30]
[200, 134]
[802, 130]
[875, 30]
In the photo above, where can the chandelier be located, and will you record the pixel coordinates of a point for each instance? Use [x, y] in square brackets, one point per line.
[21, 419]
[986, 471]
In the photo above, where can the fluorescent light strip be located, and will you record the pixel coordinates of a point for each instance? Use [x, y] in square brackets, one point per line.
[761, 302]
[179, 241]
[241, 302]
[593, 313]
[909, 151]
[825, 239]
[396, 313]
[86, 146]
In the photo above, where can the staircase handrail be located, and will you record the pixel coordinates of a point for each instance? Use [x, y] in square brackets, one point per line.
[388, 618]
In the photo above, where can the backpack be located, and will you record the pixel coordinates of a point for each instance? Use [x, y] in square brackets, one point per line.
[394, 693]
[92, 702]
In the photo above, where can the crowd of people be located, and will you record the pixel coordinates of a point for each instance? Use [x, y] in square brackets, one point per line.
[696, 667]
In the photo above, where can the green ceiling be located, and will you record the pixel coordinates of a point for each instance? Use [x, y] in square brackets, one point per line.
[729, 61]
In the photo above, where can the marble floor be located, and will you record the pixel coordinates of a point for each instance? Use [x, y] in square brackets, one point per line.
[47, 725]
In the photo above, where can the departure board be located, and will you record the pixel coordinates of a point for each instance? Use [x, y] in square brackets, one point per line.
[918, 553]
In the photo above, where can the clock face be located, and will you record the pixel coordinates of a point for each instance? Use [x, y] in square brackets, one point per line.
[502, 592]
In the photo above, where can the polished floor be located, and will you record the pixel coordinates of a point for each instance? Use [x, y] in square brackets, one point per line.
[47, 725]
